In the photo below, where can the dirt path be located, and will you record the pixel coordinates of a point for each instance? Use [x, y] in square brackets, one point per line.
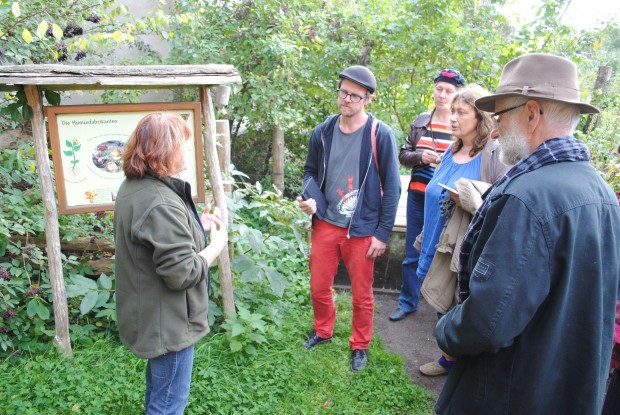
[412, 338]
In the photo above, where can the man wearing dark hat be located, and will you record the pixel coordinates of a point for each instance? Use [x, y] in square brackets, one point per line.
[352, 163]
[540, 263]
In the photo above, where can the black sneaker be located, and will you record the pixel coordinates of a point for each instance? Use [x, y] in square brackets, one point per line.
[359, 359]
[314, 340]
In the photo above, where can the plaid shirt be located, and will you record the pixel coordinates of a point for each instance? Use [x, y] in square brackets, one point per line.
[556, 150]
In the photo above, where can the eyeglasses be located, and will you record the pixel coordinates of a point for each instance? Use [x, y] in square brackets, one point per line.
[504, 111]
[343, 94]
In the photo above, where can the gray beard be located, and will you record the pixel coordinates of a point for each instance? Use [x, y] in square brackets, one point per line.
[514, 147]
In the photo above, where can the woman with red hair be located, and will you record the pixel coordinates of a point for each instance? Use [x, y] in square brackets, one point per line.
[162, 260]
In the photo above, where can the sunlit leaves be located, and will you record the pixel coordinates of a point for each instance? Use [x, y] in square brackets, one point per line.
[15, 9]
[49, 31]
[42, 29]
[56, 31]
[27, 36]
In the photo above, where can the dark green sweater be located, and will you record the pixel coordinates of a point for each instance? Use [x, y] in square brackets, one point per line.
[161, 281]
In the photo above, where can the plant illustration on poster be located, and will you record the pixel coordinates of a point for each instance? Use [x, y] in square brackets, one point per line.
[87, 146]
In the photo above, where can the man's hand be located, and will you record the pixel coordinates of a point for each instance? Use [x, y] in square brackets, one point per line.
[376, 248]
[307, 206]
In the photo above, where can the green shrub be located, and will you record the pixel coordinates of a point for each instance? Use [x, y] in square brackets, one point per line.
[26, 312]
[267, 234]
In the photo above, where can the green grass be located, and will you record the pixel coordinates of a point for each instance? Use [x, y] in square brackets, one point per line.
[283, 379]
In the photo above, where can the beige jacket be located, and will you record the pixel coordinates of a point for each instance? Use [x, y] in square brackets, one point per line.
[439, 286]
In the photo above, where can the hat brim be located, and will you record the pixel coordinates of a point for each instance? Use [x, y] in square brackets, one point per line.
[487, 104]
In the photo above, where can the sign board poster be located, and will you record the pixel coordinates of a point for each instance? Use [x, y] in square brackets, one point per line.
[87, 142]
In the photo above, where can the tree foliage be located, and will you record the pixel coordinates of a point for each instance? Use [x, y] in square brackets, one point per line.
[56, 31]
[604, 141]
[289, 56]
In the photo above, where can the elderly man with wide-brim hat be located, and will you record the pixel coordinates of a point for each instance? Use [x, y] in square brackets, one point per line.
[540, 263]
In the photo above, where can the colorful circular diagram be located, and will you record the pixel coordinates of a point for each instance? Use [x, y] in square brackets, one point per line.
[107, 156]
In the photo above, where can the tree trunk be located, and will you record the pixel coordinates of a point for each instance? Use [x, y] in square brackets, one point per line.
[215, 177]
[62, 341]
[277, 158]
[601, 85]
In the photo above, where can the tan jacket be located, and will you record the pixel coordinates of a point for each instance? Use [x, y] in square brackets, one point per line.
[439, 286]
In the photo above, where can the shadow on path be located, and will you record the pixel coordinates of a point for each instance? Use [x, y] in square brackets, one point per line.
[413, 338]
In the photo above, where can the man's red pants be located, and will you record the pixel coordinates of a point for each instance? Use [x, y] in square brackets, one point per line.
[329, 245]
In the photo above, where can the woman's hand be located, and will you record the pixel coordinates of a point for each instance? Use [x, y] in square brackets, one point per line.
[218, 234]
[207, 218]
[455, 197]
[430, 157]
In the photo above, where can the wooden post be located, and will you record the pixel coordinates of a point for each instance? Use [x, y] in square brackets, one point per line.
[62, 341]
[215, 178]
[222, 129]
[277, 158]
[601, 85]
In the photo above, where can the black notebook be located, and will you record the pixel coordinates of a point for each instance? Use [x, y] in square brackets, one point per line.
[312, 190]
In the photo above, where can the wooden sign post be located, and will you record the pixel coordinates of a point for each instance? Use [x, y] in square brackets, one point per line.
[35, 78]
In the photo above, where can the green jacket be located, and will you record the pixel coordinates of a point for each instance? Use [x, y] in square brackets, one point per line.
[161, 281]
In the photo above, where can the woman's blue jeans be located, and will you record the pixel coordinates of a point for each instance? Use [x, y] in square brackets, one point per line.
[410, 288]
[168, 378]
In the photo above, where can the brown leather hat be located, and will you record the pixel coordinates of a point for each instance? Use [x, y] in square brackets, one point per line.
[538, 75]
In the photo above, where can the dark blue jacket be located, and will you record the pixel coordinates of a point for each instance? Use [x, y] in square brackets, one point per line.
[374, 214]
[535, 334]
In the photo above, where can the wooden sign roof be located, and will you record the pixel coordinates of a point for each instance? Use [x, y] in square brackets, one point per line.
[67, 77]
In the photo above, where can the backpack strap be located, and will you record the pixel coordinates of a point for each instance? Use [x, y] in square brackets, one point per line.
[373, 139]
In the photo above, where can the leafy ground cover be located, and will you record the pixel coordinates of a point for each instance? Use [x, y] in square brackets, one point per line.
[282, 378]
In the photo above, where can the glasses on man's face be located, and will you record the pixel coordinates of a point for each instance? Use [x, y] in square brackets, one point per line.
[504, 111]
[343, 94]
